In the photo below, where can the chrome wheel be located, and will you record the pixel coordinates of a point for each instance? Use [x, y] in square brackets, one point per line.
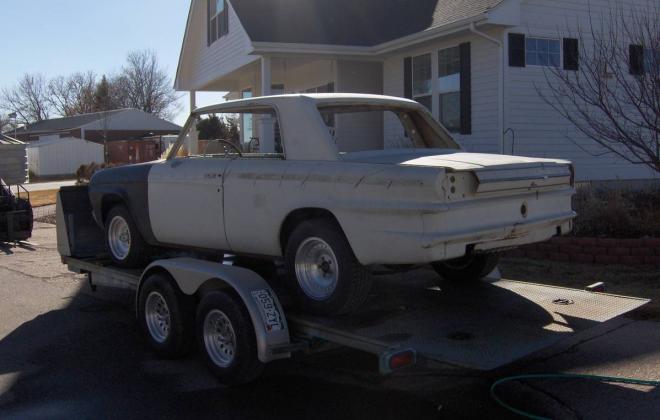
[158, 318]
[316, 268]
[119, 238]
[219, 338]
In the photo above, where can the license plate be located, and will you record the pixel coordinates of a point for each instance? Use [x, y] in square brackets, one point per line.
[270, 313]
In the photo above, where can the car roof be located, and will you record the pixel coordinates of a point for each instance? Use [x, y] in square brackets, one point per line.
[320, 99]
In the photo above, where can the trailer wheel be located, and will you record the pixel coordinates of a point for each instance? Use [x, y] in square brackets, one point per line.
[468, 268]
[165, 316]
[322, 271]
[227, 340]
[127, 247]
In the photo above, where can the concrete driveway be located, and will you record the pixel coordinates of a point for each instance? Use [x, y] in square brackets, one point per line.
[47, 186]
[66, 352]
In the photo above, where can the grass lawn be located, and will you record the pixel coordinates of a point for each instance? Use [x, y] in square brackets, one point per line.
[43, 198]
[619, 280]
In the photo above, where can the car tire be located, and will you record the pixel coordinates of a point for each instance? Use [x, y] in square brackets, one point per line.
[166, 317]
[125, 243]
[226, 339]
[468, 268]
[322, 272]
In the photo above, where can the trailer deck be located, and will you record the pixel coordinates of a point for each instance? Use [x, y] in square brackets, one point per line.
[479, 326]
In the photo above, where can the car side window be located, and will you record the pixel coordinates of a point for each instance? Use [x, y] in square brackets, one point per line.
[248, 134]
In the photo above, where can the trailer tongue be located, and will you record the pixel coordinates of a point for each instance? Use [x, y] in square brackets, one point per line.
[479, 326]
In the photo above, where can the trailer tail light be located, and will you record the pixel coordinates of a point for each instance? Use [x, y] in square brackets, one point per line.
[394, 360]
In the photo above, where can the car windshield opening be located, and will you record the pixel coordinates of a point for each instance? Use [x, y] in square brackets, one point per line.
[362, 128]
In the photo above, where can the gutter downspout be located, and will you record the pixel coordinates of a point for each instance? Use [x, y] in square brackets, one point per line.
[500, 90]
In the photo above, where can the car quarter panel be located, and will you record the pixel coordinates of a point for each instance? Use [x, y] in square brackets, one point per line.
[374, 204]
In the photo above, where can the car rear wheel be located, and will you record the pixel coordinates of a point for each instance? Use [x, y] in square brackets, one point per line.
[226, 339]
[125, 243]
[468, 268]
[322, 271]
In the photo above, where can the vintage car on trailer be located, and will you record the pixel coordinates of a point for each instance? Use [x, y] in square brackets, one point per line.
[332, 204]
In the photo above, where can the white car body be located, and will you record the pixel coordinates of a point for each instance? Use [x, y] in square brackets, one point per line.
[398, 206]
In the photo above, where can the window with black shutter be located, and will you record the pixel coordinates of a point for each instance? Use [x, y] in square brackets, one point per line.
[218, 20]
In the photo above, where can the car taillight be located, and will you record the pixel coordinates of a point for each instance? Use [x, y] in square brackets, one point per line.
[397, 359]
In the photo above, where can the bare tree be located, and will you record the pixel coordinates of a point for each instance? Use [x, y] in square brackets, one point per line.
[72, 95]
[144, 85]
[29, 99]
[614, 98]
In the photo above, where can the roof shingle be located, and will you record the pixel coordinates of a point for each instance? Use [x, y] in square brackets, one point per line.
[350, 22]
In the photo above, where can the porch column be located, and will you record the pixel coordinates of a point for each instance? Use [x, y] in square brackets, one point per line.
[266, 124]
[193, 136]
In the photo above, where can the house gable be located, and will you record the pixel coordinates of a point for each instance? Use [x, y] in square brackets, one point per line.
[199, 62]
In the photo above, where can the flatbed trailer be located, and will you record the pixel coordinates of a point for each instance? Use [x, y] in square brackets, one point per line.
[481, 327]
[409, 318]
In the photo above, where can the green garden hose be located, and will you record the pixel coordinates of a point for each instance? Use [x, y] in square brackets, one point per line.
[560, 376]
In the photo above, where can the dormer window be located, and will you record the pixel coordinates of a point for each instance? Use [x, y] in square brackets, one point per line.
[218, 22]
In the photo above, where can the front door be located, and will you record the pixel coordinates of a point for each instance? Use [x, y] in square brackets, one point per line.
[186, 202]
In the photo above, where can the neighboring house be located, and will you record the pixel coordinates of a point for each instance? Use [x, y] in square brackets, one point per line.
[13, 160]
[473, 63]
[131, 135]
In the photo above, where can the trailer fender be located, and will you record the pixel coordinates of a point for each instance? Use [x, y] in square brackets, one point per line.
[191, 275]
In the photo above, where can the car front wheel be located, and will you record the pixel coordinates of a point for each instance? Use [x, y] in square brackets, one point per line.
[467, 268]
[125, 243]
[322, 271]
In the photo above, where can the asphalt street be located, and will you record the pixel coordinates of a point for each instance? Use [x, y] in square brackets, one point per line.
[66, 352]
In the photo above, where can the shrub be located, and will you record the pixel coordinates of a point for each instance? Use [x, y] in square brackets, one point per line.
[617, 212]
[85, 172]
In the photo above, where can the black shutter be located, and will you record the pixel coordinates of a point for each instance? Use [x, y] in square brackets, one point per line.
[208, 23]
[407, 77]
[636, 63]
[571, 54]
[516, 50]
[466, 89]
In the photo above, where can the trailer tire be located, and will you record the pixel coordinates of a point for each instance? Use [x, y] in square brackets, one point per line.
[469, 268]
[127, 247]
[348, 281]
[166, 316]
[226, 339]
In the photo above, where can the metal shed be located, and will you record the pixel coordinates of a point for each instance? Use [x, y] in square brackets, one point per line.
[13, 160]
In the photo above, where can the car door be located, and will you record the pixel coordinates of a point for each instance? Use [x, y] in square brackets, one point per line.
[186, 202]
[256, 201]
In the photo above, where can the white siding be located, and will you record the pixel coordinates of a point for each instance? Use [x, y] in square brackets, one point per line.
[13, 163]
[539, 130]
[62, 156]
[359, 131]
[201, 64]
[484, 57]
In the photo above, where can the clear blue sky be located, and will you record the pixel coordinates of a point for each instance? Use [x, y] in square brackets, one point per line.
[64, 36]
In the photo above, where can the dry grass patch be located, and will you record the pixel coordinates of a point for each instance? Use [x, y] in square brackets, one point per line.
[43, 198]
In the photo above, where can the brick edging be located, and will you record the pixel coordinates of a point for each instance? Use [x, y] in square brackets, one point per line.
[594, 250]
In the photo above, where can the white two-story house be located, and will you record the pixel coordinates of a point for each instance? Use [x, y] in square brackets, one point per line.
[476, 65]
